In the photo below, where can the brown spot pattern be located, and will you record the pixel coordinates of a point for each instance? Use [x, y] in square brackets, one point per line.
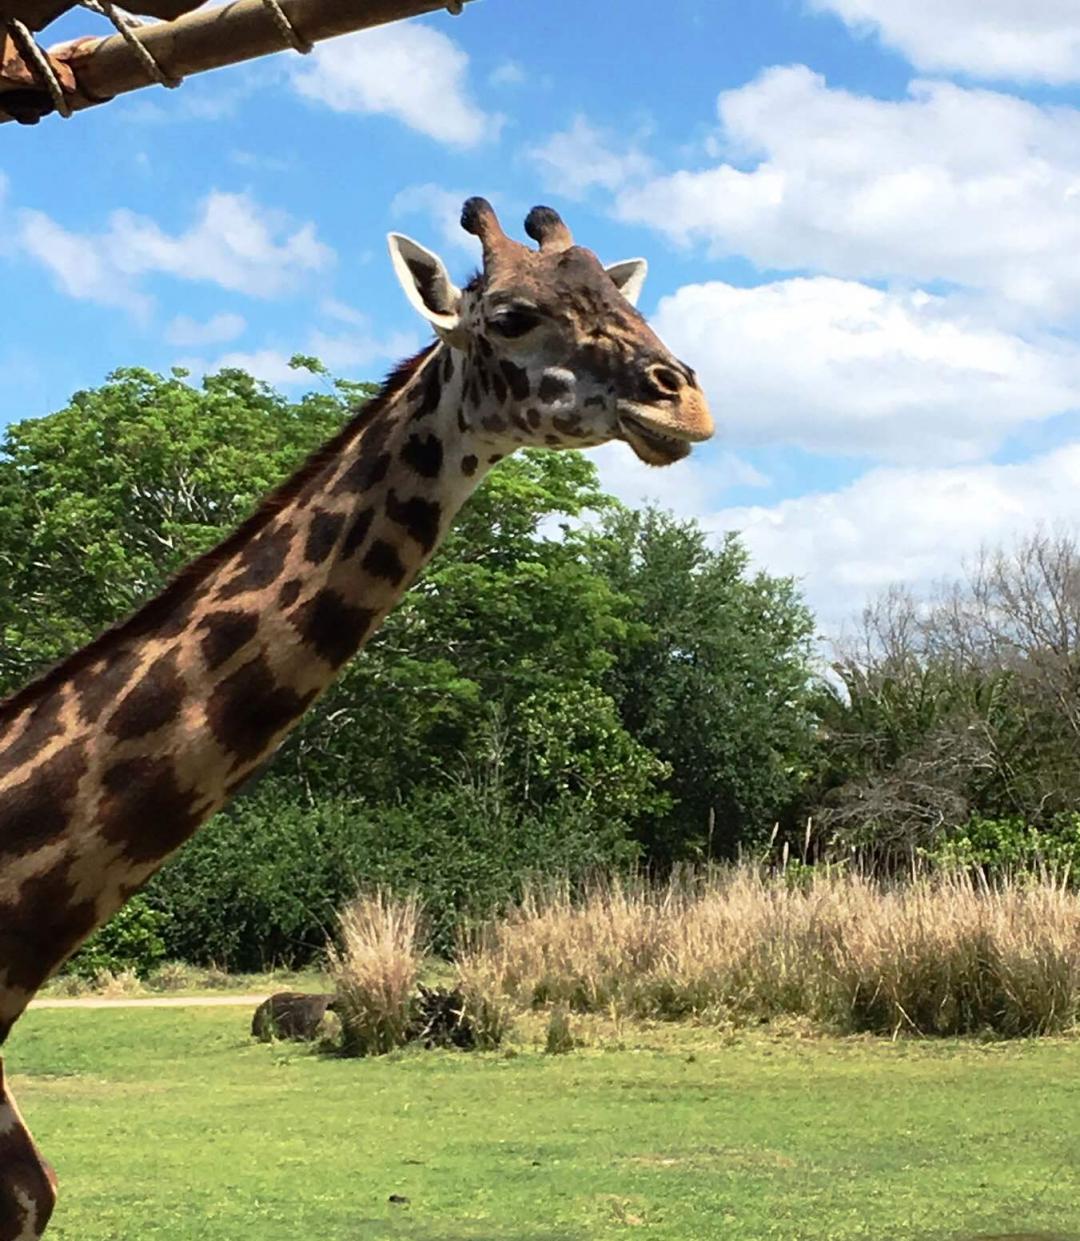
[517, 379]
[358, 531]
[248, 709]
[420, 518]
[364, 473]
[261, 562]
[382, 560]
[144, 809]
[35, 731]
[322, 535]
[333, 627]
[151, 703]
[27, 1183]
[99, 687]
[36, 811]
[424, 454]
[371, 463]
[430, 393]
[43, 928]
[225, 633]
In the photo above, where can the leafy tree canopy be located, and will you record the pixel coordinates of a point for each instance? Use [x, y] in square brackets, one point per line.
[570, 684]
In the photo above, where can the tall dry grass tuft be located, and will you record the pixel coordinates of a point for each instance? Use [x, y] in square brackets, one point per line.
[375, 971]
[489, 1009]
[944, 955]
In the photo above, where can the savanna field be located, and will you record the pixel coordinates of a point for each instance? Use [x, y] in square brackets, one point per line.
[866, 1030]
[174, 1123]
[690, 853]
[731, 1055]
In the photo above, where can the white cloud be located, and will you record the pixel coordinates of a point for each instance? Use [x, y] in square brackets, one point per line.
[355, 352]
[234, 243]
[902, 525]
[838, 366]
[581, 158]
[270, 365]
[968, 186]
[1030, 40]
[509, 73]
[350, 351]
[78, 265]
[342, 312]
[408, 71]
[688, 489]
[443, 208]
[260, 161]
[188, 332]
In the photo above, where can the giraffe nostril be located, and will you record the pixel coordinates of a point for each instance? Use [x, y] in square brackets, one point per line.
[666, 380]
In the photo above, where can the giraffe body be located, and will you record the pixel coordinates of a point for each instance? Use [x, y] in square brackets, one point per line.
[113, 758]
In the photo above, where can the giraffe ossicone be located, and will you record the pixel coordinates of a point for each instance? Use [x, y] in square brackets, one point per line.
[111, 759]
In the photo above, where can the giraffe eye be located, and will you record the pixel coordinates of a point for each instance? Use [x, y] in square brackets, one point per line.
[513, 323]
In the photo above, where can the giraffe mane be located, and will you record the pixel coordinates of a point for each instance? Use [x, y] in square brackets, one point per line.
[151, 613]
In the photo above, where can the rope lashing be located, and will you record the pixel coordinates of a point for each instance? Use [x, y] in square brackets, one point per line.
[287, 30]
[35, 57]
[126, 25]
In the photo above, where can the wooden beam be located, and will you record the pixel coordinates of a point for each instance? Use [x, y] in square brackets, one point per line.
[35, 13]
[212, 38]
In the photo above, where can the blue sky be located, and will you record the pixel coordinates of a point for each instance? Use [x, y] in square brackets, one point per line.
[862, 219]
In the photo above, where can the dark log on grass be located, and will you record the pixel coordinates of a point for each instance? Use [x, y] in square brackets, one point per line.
[291, 1014]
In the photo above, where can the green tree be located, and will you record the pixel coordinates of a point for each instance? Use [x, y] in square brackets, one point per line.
[510, 614]
[714, 677]
[102, 500]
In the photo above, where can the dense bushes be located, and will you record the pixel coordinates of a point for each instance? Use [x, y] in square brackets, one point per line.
[130, 941]
[264, 882]
[1012, 846]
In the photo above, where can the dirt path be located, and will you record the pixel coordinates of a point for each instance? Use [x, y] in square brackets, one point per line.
[153, 1001]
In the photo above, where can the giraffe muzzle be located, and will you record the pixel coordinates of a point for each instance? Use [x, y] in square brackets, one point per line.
[662, 434]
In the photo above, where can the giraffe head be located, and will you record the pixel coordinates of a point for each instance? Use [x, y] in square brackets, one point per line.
[551, 349]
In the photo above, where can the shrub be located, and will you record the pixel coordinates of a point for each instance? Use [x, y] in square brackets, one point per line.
[130, 942]
[262, 884]
[1013, 845]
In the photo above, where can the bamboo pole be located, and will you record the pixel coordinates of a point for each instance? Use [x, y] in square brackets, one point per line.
[213, 38]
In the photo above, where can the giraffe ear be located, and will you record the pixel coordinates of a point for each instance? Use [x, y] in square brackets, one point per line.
[629, 276]
[427, 285]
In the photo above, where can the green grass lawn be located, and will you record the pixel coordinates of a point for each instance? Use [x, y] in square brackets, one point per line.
[172, 1123]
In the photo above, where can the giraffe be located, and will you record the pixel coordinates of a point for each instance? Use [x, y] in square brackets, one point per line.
[111, 759]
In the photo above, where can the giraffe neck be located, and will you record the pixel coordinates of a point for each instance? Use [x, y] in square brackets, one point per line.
[116, 756]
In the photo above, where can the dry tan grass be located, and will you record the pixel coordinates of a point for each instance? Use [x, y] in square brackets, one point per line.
[375, 971]
[489, 1009]
[117, 985]
[940, 955]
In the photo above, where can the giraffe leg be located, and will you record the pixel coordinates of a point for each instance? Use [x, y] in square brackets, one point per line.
[27, 1182]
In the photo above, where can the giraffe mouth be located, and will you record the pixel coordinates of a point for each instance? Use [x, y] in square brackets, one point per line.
[652, 446]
